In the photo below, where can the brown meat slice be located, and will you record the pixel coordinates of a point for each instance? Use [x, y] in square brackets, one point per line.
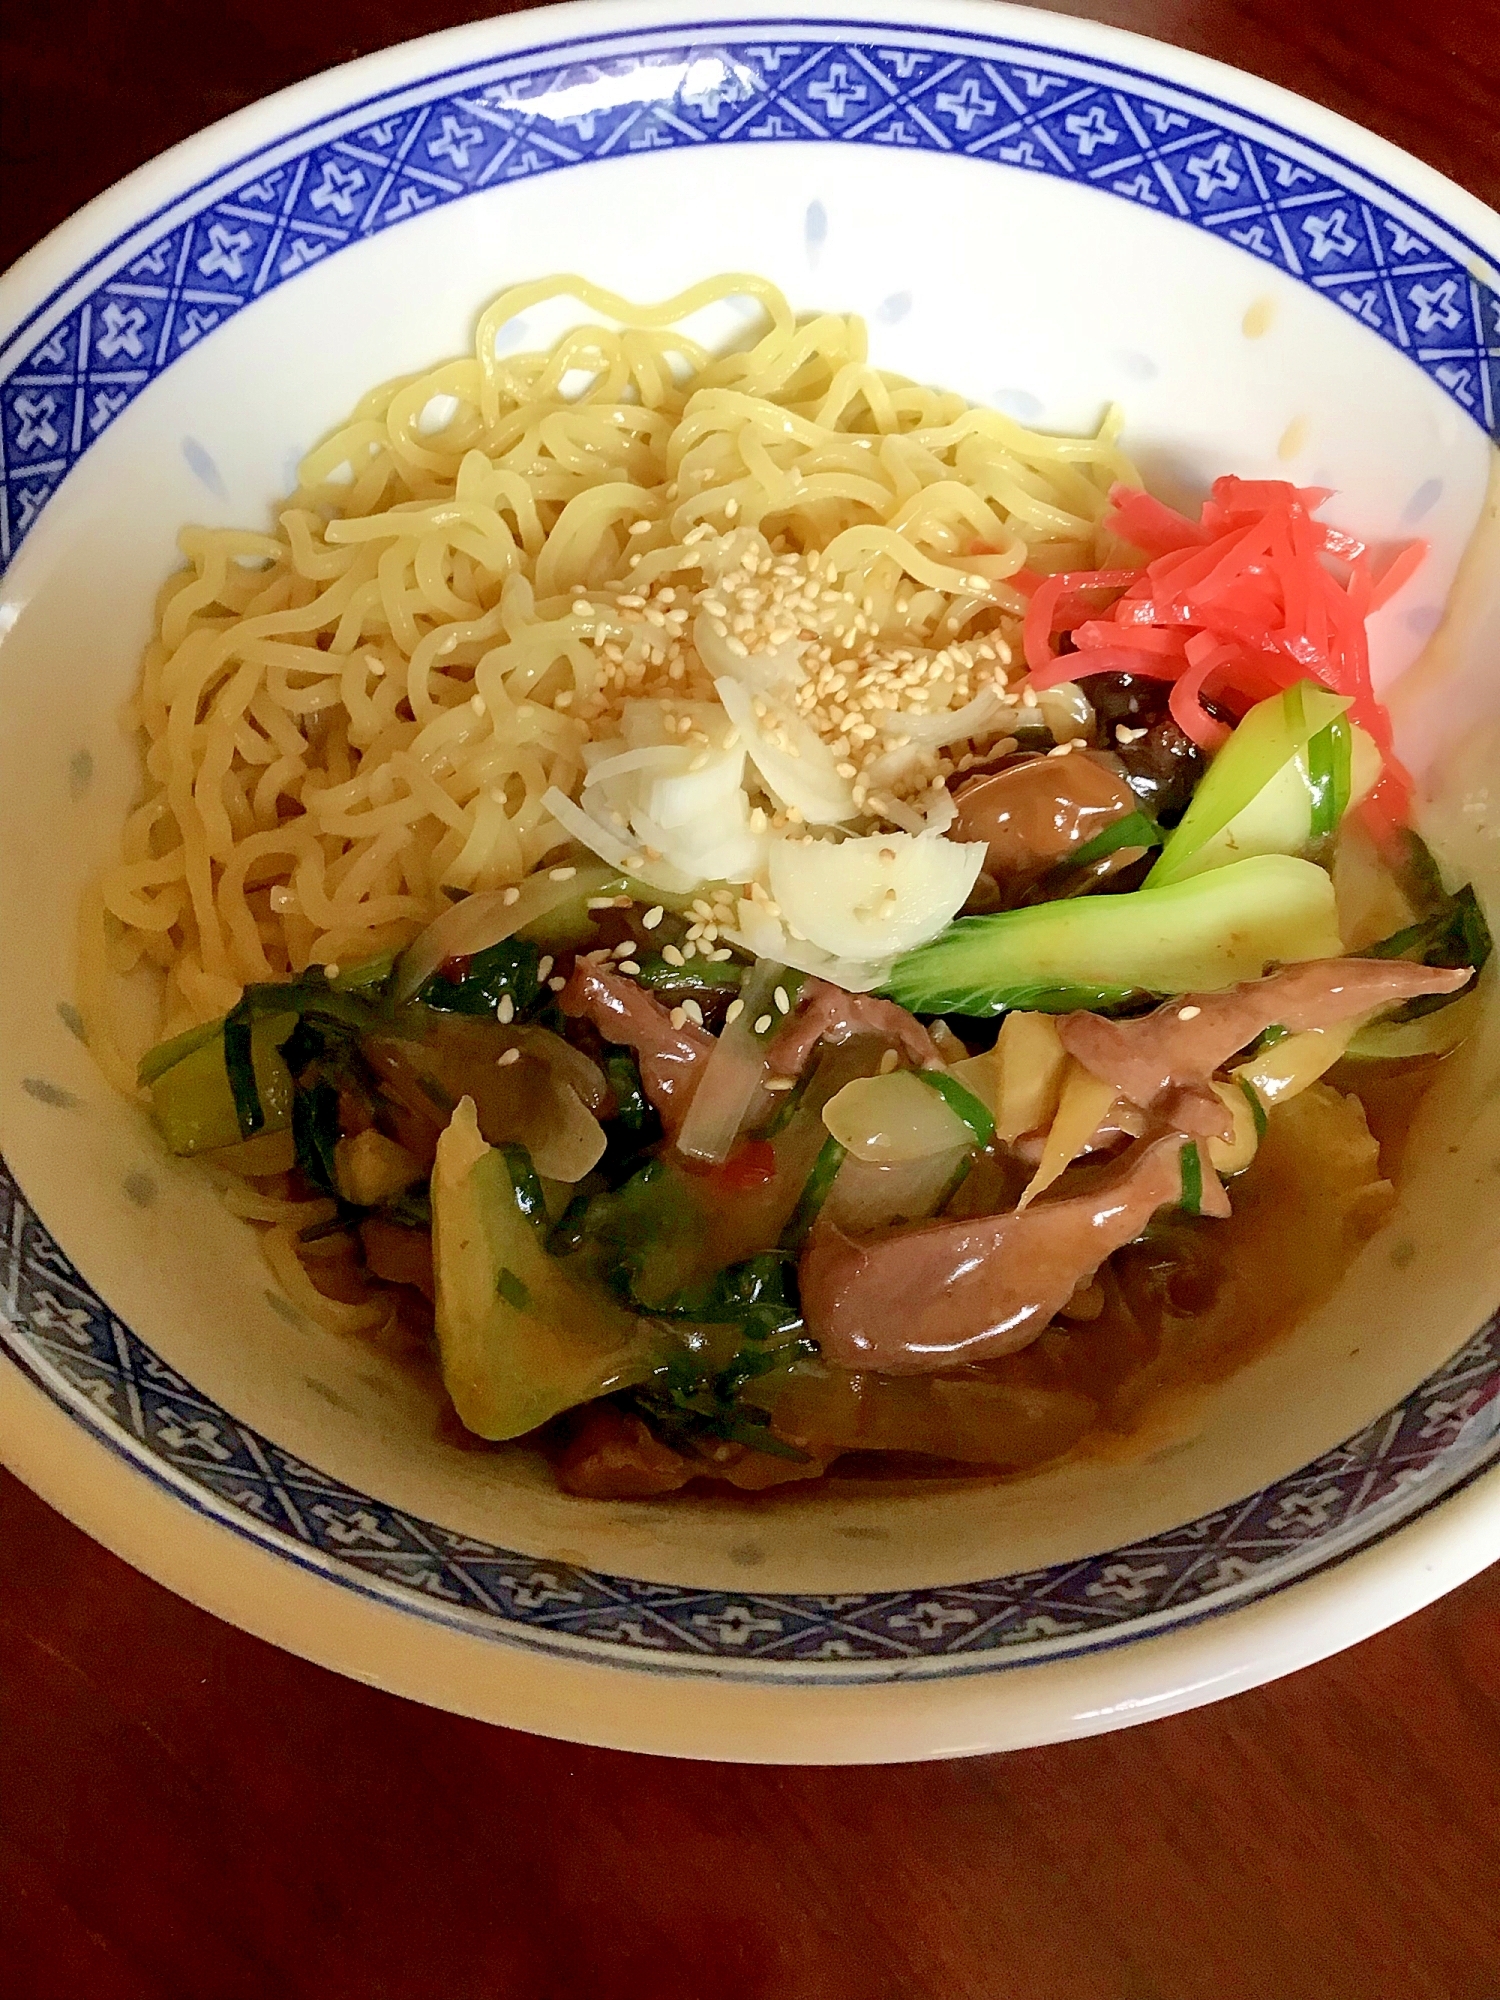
[947, 1293]
[1163, 1061]
[671, 1059]
[829, 1014]
[613, 1456]
[1038, 811]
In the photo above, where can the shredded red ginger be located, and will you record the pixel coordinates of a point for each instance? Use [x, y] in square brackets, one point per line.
[1245, 601]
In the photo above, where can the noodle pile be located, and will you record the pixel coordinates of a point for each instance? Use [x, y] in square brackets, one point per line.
[351, 716]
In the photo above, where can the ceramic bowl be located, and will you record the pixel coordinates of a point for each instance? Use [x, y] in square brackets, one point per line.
[1046, 215]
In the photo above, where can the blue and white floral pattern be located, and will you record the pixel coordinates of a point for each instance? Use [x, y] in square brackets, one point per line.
[157, 293]
[108, 334]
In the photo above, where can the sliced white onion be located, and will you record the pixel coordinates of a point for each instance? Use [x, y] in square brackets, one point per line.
[682, 802]
[477, 922]
[646, 721]
[766, 937]
[805, 775]
[732, 1076]
[867, 1198]
[611, 848]
[873, 897]
[887, 1120]
[653, 757]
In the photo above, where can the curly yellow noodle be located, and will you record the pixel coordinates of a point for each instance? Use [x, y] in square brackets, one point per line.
[347, 717]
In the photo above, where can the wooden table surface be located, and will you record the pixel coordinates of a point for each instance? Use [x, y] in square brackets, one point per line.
[186, 1814]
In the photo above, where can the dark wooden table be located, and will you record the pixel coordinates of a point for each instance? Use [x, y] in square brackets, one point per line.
[186, 1814]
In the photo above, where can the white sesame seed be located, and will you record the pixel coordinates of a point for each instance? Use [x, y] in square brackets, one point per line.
[672, 955]
[476, 702]
[512, 895]
[783, 1004]
[507, 1057]
[507, 1009]
[762, 1026]
[581, 607]
[545, 967]
[600, 903]
[331, 970]
[639, 528]
[734, 1010]
[694, 1012]
[731, 508]
[1188, 1013]
[628, 965]
[780, 1082]
[557, 982]
[677, 1016]
[561, 874]
[653, 917]
[889, 1061]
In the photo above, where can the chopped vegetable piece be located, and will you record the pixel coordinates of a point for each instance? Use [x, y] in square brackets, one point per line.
[1256, 798]
[1329, 776]
[866, 1197]
[239, 1067]
[892, 1117]
[959, 1099]
[1085, 1103]
[1194, 936]
[1287, 1064]
[482, 984]
[1257, 1109]
[669, 981]
[1137, 829]
[1232, 1154]
[315, 1125]
[1428, 1035]
[1192, 1178]
[1028, 1063]
[556, 898]
[814, 1194]
[521, 1335]
[192, 1100]
[730, 1081]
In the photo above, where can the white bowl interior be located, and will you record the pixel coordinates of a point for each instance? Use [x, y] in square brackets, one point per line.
[1220, 363]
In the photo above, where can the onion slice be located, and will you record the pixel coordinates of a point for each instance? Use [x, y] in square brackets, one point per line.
[477, 922]
[732, 1076]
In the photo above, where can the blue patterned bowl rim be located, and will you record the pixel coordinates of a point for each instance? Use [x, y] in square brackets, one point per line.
[114, 325]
